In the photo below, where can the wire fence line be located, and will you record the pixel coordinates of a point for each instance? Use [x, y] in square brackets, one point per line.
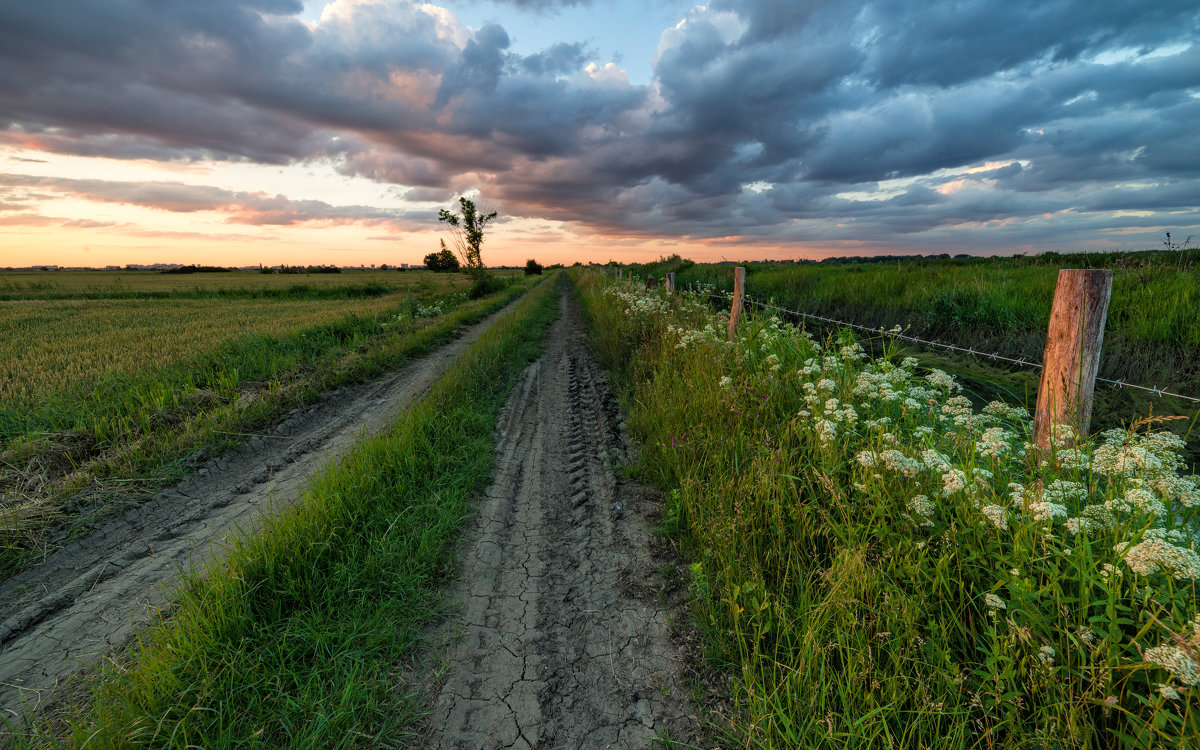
[995, 356]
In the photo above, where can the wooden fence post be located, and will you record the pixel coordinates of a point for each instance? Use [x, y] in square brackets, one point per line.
[1072, 352]
[649, 280]
[670, 284]
[739, 293]
[620, 273]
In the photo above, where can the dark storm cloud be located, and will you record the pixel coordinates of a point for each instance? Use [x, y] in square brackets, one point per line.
[560, 59]
[543, 5]
[767, 119]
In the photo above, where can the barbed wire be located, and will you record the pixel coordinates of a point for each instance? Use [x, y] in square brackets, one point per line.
[994, 356]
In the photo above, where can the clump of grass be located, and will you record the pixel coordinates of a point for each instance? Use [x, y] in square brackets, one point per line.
[885, 565]
[296, 638]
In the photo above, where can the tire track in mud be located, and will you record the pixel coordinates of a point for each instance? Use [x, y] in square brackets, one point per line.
[556, 651]
[92, 595]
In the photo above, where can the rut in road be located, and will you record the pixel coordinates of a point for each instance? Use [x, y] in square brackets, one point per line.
[555, 650]
[90, 596]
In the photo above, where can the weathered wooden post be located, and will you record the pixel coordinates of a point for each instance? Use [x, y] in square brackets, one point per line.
[1072, 355]
[649, 281]
[739, 293]
[671, 284]
[620, 273]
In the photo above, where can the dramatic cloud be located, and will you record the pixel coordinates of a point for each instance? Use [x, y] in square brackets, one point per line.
[177, 197]
[1015, 122]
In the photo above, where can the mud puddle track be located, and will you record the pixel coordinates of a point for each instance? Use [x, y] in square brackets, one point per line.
[90, 596]
[560, 641]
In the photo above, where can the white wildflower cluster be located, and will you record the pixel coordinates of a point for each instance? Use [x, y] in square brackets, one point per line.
[957, 409]
[432, 310]
[1052, 503]
[1063, 436]
[638, 303]
[994, 602]
[921, 509]
[1046, 656]
[1122, 453]
[1065, 492]
[935, 461]
[890, 460]
[1041, 510]
[1002, 410]
[884, 381]
[826, 431]
[995, 442]
[997, 515]
[953, 481]
[1175, 660]
[852, 353]
[1073, 459]
[1108, 572]
[942, 381]
[694, 336]
[1138, 499]
[1176, 489]
[1159, 549]
[829, 413]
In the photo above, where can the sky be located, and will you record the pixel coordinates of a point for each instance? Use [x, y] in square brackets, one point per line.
[237, 132]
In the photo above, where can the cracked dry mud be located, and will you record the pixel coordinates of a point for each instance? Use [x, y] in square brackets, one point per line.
[551, 648]
[90, 596]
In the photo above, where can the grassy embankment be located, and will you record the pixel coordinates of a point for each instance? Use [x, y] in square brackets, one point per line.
[105, 401]
[881, 564]
[298, 638]
[1003, 305]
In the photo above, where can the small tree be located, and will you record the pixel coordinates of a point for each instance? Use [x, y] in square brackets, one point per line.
[442, 260]
[532, 267]
[468, 231]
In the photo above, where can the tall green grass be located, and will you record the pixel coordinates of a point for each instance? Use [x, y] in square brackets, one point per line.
[999, 304]
[1002, 305]
[297, 637]
[880, 564]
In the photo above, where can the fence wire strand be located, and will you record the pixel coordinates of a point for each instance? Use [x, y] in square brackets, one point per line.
[994, 356]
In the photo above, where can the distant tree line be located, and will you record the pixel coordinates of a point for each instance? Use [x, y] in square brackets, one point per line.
[197, 269]
[299, 269]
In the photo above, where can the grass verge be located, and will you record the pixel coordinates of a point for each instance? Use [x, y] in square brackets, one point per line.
[883, 565]
[295, 639]
[1002, 305]
[82, 456]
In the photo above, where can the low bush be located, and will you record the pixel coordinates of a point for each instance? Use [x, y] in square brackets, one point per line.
[485, 284]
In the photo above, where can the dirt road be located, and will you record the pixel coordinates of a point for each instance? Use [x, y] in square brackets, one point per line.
[554, 647]
[90, 596]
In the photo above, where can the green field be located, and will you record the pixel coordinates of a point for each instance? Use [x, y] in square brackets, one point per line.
[26, 285]
[109, 380]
